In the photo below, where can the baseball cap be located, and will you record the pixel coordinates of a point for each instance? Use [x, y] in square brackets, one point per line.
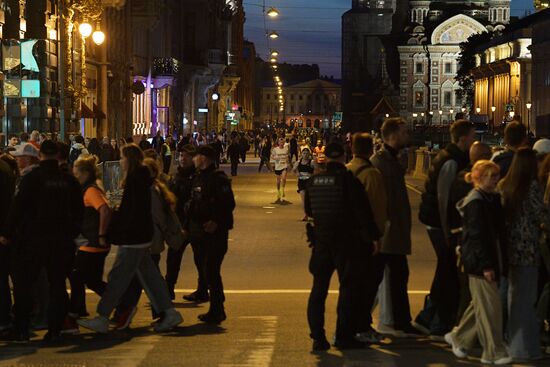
[26, 149]
[334, 150]
[542, 146]
[207, 151]
[49, 148]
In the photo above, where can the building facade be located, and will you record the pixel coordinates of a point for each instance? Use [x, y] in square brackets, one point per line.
[309, 104]
[428, 58]
[369, 33]
[511, 75]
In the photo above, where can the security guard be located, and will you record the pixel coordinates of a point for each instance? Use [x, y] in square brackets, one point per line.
[342, 237]
[210, 219]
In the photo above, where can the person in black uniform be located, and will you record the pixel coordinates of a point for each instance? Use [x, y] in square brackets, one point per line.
[181, 186]
[210, 217]
[43, 221]
[342, 237]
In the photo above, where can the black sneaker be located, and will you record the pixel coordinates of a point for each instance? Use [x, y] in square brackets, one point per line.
[197, 297]
[213, 318]
[320, 345]
[52, 339]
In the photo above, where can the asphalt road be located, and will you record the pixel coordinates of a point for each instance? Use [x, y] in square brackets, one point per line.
[267, 282]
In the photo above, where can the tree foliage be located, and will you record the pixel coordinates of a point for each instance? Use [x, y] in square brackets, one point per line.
[467, 62]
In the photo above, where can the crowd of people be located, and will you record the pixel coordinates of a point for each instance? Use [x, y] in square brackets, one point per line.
[57, 225]
[486, 212]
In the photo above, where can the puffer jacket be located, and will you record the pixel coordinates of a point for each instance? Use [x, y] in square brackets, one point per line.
[483, 245]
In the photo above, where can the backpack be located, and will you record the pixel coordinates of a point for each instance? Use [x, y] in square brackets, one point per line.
[73, 156]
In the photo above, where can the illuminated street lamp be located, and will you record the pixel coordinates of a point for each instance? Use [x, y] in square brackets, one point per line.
[272, 12]
[387, 115]
[528, 105]
[273, 60]
[85, 29]
[274, 53]
[273, 35]
[512, 114]
[463, 109]
[493, 109]
[98, 36]
[478, 110]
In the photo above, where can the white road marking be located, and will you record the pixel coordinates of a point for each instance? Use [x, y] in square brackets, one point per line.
[414, 189]
[263, 345]
[268, 207]
[268, 212]
[274, 291]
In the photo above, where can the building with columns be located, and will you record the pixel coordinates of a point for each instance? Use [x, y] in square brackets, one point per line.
[512, 75]
[428, 58]
[308, 104]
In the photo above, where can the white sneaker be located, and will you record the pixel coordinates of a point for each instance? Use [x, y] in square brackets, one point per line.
[172, 318]
[98, 324]
[485, 361]
[504, 360]
[457, 351]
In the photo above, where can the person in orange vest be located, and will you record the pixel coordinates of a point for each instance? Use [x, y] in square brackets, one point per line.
[319, 155]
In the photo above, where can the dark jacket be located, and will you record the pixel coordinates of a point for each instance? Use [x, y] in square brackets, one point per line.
[337, 202]
[459, 189]
[132, 223]
[90, 221]
[7, 190]
[211, 200]
[429, 212]
[181, 186]
[504, 161]
[397, 235]
[234, 151]
[48, 204]
[482, 236]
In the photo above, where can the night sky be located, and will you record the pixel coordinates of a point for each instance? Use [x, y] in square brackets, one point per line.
[310, 30]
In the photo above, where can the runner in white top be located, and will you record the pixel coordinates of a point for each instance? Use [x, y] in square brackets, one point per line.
[280, 155]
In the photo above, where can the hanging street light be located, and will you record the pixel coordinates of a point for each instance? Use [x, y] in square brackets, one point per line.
[272, 12]
[273, 60]
[273, 35]
[85, 29]
[274, 53]
[98, 36]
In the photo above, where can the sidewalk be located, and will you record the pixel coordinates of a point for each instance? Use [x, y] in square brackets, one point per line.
[415, 184]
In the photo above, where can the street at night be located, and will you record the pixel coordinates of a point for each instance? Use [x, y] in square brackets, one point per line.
[267, 288]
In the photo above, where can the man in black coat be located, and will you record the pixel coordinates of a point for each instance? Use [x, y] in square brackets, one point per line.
[181, 186]
[7, 190]
[210, 215]
[42, 223]
[342, 238]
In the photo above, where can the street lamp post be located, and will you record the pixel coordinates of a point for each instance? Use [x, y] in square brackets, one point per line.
[493, 109]
[451, 114]
[528, 105]
[440, 117]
